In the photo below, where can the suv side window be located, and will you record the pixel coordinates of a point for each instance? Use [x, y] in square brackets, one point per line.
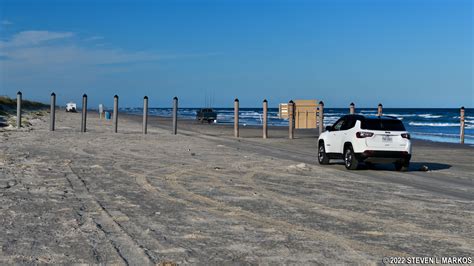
[338, 125]
[349, 123]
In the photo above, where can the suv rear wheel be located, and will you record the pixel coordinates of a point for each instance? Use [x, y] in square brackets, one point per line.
[402, 165]
[322, 156]
[350, 161]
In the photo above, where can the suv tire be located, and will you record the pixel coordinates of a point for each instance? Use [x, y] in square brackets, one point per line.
[350, 161]
[402, 165]
[322, 156]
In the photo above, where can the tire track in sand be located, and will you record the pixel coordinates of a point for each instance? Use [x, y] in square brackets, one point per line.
[123, 243]
[283, 226]
[348, 214]
[221, 209]
[389, 225]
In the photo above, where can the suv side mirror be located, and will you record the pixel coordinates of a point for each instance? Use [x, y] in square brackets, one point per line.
[328, 128]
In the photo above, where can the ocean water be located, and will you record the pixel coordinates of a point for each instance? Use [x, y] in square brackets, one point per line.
[440, 125]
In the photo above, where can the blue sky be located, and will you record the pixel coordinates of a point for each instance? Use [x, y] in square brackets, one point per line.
[405, 53]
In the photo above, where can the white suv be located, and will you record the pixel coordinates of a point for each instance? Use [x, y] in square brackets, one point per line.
[369, 139]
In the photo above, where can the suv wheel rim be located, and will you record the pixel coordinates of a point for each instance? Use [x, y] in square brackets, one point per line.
[348, 158]
[321, 153]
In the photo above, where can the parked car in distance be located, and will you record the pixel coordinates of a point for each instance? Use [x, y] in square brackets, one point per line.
[71, 107]
[206, 114]
[369, 139]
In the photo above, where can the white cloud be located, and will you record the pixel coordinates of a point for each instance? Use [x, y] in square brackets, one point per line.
[33, 37]
[94, 38]
[6, 22]
[78, 55]
[42, 58]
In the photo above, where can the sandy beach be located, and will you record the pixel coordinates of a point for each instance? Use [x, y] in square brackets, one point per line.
[203, 196]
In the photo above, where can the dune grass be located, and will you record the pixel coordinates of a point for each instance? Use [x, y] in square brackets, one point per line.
[31, 109]
[8, 103]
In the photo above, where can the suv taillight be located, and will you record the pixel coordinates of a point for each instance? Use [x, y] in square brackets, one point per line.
[362, 134]
[406, 136]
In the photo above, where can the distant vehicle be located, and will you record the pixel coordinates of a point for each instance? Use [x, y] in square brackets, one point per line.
[369, 139]
[206, 114]
[71, 107]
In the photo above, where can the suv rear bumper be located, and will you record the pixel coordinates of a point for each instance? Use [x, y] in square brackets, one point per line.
[383, 155]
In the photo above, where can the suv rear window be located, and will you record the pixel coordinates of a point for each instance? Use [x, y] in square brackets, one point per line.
[383, 124]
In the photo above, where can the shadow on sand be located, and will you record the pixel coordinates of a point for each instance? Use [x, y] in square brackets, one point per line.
[414, 166]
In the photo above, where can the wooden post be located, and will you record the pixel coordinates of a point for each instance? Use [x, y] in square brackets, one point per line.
[291, 119]
[53, 112]
[18, 109]
[265, 116]
[145, 114]
[462, 125]
[175, 115]
[352, 108]
[84, 113]
[116, 98]
[236, 118]
[379, 109]
[321, 117]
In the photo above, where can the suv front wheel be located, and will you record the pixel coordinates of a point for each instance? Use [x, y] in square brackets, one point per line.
[322, 156]
[350, 161]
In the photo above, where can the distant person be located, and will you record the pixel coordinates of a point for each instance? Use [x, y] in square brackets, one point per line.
[101, 110]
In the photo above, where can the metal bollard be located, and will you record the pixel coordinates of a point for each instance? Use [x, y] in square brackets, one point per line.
[462, 124]
[321, 117]
[291, 119]
[84, 113]
[352, 108]
[236, 118]
[145, 114]
[116, 98]
[18, 109]
[175, 115]
[379, 109]
[53, 112]
[265, 116]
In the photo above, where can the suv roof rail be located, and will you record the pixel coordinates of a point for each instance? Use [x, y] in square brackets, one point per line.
[380, 117]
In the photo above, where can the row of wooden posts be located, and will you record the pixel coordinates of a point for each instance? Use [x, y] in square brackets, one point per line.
[291, 116]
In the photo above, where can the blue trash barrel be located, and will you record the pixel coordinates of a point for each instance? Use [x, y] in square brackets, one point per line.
[107, 115]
